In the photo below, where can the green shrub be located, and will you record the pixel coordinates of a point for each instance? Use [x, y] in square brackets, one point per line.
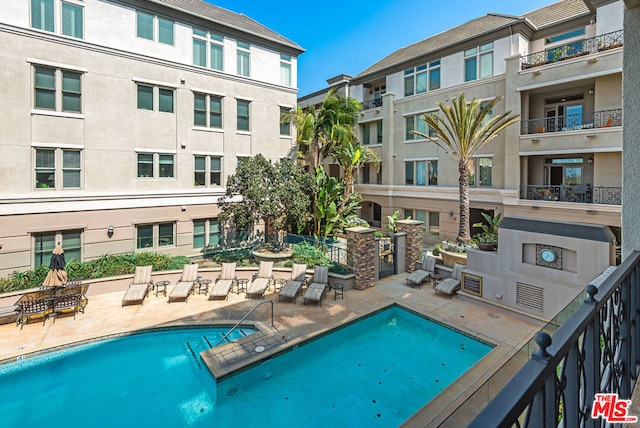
[178, 262]
[379, 234]
[310, 255]
[436, 249]
[339, 269]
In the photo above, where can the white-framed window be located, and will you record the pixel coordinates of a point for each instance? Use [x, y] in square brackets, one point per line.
[421, 173]
[478, 62]
[57, 168]
[207, 110]
[70, 21]
[379, 132]
[416, 123]
[57, 89]
[154, 28]
[366, 134]
[479, 172]
[418, 80]
[371, 174]
[285, 70]
[155, 165]
[243, 54]
[243, 118]
[207, 170]
[156, 235]
[44, 243]
[430, 220]
[208, 49]
[206, 232]
[155, 98]
[285, 127]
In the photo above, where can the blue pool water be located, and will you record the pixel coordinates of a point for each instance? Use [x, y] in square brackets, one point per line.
[375, 372]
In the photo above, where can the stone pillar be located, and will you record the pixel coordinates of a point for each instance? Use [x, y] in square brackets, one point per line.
[413, 229]
[361, 256]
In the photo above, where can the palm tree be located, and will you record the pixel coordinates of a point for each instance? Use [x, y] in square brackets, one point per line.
[351, 157]
[464, 130]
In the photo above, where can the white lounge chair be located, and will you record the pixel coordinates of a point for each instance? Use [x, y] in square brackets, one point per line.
[139, 287]
[450, 286]
[417, 277]
[225, 281]
[260, 283]
[185, 284]
[298, 277]
[319, 283]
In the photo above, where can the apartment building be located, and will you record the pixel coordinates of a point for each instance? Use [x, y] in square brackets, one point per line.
[559, 67]
[122, 119]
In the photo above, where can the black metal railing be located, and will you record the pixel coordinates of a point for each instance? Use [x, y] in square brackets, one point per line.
[580, 193]
[335, 250]
[572, 122]
[376, 102]
[599, 43]
[595, 351]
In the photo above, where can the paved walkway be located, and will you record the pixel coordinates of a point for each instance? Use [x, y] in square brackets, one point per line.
[105, 316]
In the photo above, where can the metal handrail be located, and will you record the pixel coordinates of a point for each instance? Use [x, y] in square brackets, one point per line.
[244, 318]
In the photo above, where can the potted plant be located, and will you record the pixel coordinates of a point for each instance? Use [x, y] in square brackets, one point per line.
[452, 252]
[488, 238]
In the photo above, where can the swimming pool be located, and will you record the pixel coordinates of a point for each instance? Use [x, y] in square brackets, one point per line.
[375, 372]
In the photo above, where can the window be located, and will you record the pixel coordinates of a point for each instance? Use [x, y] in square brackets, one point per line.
[366, 134]
[207, 110]
[379, 132]
[565, 36]
[418, 79]
[421, 173]
[155, 235]
[285, 127]
[147, 95]
[478, 62]
[371, 174]
[44, 243]
[145, 28]
[48, 174]
[43, 16]
[434, 224]
[215, 43]
[206, 232]
[244, 59]
[417, 123]
[57, 90]
[285, 70]
[243, 115]
[208, 171]
[481, 168]
[430, 220]
[155, 165]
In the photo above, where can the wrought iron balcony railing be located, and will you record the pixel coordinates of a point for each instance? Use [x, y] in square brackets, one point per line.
[376, 102]
[579, 193]
[599, 43]
[572, 122]
[595, 351]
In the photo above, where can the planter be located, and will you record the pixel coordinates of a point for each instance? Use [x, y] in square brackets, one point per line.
[487, 247]
[449, 258]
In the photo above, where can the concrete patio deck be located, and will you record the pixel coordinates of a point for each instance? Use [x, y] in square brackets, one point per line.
[293, 323]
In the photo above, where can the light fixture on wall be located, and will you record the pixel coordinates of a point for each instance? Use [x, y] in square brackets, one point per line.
[535, 140]
[451, 214]
[591, 91]
[110, 231]
[590, 160]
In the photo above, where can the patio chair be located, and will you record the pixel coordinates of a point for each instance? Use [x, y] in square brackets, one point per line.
[261, 280]
[319, 283]
[138, 288]
[298, 277]
[224, 282]
[450, 286]
[185, 284]
[417, 277]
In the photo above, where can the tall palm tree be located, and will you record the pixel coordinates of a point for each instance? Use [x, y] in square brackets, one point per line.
[464, 130]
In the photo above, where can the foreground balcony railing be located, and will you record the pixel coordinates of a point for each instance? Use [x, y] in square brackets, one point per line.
[595, 351]
[579, 193]
[571, 50]
[572, 122]
[376, 102]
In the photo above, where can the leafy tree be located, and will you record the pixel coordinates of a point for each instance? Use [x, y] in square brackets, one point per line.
[464, 130]
[351, 157]
[331, 210]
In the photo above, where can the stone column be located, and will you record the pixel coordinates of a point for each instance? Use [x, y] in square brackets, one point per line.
[413, 229]
[361, 256]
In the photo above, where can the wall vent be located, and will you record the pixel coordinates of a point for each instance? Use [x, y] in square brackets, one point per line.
[530, 296]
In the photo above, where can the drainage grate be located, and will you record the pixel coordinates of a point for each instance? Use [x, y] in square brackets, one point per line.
[530, 296]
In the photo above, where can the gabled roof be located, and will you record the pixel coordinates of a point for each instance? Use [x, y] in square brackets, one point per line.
[229, 19]
[557, 12]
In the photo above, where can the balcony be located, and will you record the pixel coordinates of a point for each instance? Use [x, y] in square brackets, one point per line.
[572, 50]
[578, 193]
[572, 122]
[369, 104]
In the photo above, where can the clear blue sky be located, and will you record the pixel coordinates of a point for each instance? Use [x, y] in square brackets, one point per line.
[349, 36]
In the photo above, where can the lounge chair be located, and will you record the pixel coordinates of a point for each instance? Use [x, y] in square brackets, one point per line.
[224, 282]
[298, 277]
[138, 289]
[451, 285]
[185, 285]
[419, 276]
[261, 281]
[319, 283]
